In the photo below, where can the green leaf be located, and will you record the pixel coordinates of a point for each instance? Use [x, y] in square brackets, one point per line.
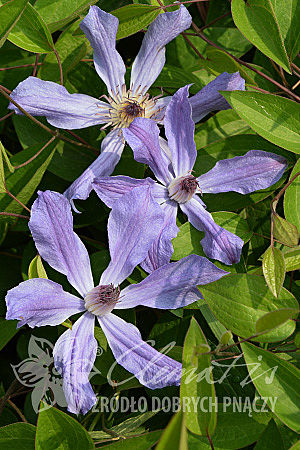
[188, 239]
[223, 124]
[277, 119]
[274, 319]
[277, 379]
[71, 49]
[8, 328]
[284, 231]
[239, 300]
[196, 361]
[175, 77]
[10, 13]
[36, 268]
[59, 13]
[61, 430]
[24, 181]
[274, 269]
[175, 435]
[133, 18]
[270, 438]
[292, 259]
[218, 61]
[235, 429]
[292, 198]
[125, 428]
[258, 20]
[142, 442]
[17, 436]
[31, 32]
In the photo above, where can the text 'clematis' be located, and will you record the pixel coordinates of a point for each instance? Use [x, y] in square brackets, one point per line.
[172, 163]
[132, 226]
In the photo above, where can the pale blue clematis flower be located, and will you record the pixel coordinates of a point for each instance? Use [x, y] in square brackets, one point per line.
[133, 225]
[72, 111]
[172, 163]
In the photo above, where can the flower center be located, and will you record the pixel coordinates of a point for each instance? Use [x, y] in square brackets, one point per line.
[182, 189]
[102, 299]
[125, 107]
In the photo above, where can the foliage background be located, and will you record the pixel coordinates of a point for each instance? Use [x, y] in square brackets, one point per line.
[260, 39]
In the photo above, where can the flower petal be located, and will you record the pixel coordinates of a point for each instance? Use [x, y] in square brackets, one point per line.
[110, 189]
[218, 243]
[61, 109]
[255, 170]
[173, 285]
[179, 128]
[51, 225]
[38, 302]
[74, 355]
[112, 147]
[134, 222]
[143, 137]
[209, 99]
[100, 29]
[162, 249]
[151, 57]
[152, 368]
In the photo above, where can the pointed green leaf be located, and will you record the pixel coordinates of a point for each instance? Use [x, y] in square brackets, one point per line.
[24, 181]
[277, 119]
[292, 199]
[17, 436]
[8, 328]
[10, 13]
[292, 259]
[57, 14]
[258, 22]
[270, 438]
[274, 269]
[133, 18]
[274, 319]
[36, 268]
[175, 435]
[276, 379]
[31, 32]
[284, 231]
[64, 432]
[197, 381]
[239, 300]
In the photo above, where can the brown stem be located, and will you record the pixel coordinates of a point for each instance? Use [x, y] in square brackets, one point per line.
[259, 89]
[192, 46]
[5, 89]
[60, 67]
[36, 64]
[243, 63]
[209, 440]
[40, 124]
[296, 67]
[14, 215]
[182, 3]
[214, 21]
[7, 115]
[37, 154]
[17, 67]
[18, 411]
[280, 193]
[9, 391]
[83, 141]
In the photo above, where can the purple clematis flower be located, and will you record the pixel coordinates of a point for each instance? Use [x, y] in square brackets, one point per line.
[132, 226]
[172, 163]
[72, 111]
